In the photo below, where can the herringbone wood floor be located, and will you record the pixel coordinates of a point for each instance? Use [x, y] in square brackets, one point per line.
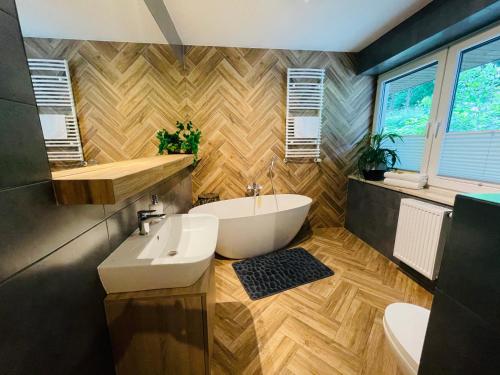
[125, 92]
[331, 326]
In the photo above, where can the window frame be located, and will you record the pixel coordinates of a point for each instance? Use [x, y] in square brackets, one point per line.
[445, 110]
[446, 75]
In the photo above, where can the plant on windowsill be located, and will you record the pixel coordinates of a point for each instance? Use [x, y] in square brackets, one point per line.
[374, 157]
[186, 140]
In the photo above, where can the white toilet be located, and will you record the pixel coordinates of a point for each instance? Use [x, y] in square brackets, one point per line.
[405, 326]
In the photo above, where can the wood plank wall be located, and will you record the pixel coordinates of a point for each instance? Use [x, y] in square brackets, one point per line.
[124, 92]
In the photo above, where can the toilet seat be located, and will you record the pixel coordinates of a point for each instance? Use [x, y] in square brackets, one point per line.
[405, 326]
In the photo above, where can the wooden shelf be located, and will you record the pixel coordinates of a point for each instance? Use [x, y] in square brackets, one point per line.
[113, 182]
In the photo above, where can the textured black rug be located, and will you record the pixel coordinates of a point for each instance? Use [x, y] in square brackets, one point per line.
[268, 274]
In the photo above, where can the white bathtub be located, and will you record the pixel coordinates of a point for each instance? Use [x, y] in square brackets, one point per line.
[252, 226]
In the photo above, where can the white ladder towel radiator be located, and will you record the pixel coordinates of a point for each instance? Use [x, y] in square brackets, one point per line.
[420, 235]
[54, 96]
[304, 104]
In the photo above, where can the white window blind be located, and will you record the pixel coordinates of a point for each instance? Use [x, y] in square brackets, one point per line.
[410, 152]
[471, 155]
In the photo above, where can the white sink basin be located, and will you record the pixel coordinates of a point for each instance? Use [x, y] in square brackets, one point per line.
[175, 253]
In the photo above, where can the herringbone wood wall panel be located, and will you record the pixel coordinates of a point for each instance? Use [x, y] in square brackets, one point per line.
[124, 92]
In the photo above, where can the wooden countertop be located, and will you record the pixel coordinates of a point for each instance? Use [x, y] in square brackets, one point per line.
[432, 194]
[113, 182]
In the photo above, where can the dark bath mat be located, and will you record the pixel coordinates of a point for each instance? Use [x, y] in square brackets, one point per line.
[275, 272]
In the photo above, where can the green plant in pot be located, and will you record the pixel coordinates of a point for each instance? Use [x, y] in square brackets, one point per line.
[375, 158]
[185, 140]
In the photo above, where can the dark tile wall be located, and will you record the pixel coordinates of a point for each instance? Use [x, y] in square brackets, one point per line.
[22, 141]
[458, 342]
[34, 225]
[15, 83]
[51, 301]
[463, 336]
[471, 265]
[54, 321]
[51, 311]
[8, 7]
[372, 215]
[175, 193]
[23, 159]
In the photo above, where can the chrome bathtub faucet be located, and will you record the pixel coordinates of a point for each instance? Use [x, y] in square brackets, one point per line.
[253, 189]
[271, 174]
[144, 217]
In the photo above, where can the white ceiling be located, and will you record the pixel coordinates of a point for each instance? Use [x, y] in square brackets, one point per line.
[110, 20]
[330, 25]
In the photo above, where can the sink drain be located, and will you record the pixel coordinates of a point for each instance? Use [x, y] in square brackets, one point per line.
[172, 253]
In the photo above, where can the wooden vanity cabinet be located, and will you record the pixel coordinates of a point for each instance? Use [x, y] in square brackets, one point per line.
[165, 331]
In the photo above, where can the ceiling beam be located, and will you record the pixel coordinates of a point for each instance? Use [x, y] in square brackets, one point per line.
[160, 13]
[437, 24]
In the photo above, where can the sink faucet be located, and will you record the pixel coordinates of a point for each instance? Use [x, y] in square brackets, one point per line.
[144, 217]
[254, 189]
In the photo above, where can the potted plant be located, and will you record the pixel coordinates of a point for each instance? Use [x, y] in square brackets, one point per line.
[185, 140]
[375, 157]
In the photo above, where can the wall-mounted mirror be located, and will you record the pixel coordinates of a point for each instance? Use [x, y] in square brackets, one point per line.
[98, 72]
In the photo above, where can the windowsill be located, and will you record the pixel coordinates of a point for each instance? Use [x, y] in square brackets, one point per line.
[438, 195]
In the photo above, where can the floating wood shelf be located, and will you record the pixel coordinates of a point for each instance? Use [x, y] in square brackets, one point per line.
[113, 182]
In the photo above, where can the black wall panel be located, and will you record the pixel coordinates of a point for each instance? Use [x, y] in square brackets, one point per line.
[23, 158]
[470, 271]
[9, 7]
[15, 81]
[372, 215]
[463, 336]
[458, 342]
[52, 316]
[34, 225]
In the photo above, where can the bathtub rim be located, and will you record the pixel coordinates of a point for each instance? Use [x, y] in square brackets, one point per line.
[309, 203]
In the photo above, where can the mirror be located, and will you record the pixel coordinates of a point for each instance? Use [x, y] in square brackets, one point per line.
[104, 77]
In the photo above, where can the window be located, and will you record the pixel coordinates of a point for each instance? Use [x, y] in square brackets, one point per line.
[406, 110]
[471, 143]
[446, 107]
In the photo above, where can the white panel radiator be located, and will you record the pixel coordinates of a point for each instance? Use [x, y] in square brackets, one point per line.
[419, 236]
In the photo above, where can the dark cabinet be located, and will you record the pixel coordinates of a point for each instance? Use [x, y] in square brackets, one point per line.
[372, 215]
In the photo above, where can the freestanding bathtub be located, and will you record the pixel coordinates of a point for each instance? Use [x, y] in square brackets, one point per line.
[253, 226]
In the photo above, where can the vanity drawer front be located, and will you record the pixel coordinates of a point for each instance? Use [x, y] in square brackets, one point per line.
[157, 336]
